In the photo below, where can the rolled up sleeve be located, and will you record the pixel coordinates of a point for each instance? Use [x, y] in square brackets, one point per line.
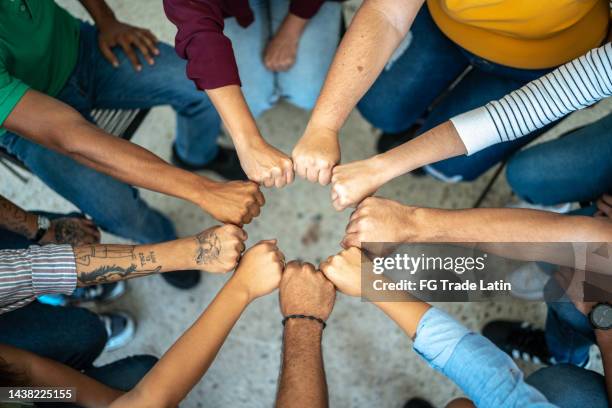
[11, 91]
[200, 40]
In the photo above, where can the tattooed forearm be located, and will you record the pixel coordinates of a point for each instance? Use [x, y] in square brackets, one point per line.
[110, 263]
[15, 219]
[208, 247]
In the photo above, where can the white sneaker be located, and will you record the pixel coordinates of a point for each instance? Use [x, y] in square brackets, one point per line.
[559, 208]
[528, 281]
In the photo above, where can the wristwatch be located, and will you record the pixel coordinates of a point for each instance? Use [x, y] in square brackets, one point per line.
[601, 316]
[43, 226]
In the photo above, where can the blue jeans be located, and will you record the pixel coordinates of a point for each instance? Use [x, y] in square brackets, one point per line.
[113, 205]
[568, 386]
[422, 74]
[301, 84]
[574, 167]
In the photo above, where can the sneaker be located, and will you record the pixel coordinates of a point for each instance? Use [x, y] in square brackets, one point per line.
[120, 329]
[528, 281]
[226, 164]
[87, 295]
[520, 340]
[417, 403]
[182, 279]
[559, 208]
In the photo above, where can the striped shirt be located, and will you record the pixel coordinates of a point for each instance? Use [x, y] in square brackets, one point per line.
[573, 86]
[38, 270]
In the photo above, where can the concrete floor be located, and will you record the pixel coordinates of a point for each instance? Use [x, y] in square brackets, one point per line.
[369, 362]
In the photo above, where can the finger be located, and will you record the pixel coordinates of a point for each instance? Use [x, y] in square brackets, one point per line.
[105, 48]
[607, 198]
[144, 50]
[604, 207]
[279, 177]
[259, 197]
[356, 214]
[150, 41]
[325, 176]
[312, 174]
[242, 234]
[337, 205]
[300, 169]
[246, 219]
[254, 209]
[129, 52]
[240, 247]
[353, 226]
[289, 174]
[268, 181]
[351, 240]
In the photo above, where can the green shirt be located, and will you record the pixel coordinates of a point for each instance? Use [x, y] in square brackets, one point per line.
[39, 43]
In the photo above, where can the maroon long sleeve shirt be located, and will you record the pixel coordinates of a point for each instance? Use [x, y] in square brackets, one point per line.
[200, 39]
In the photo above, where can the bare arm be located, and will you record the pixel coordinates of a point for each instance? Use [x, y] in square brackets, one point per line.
[15, 219]
[36, 371]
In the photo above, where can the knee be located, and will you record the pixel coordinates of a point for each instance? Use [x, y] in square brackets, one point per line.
[565, 382]
[524, 178]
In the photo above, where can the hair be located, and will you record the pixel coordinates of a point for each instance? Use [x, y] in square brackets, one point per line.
[9, 376]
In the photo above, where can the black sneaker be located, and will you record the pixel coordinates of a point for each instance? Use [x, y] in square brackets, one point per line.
[520, 340]
[182, 279]
[417, 403]
[120, 328]
[226, 164]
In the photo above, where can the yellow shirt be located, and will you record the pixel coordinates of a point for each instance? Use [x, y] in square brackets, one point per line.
[528, 34]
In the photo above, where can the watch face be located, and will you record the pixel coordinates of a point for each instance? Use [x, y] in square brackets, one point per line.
[601, 316]
[43, 222]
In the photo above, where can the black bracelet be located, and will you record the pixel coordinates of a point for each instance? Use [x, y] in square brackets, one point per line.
[300, 316]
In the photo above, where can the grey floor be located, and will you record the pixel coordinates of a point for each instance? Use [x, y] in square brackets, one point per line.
[369, 362]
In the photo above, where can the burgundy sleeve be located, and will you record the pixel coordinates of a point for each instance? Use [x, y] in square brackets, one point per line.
[200, 40]
[305, 8]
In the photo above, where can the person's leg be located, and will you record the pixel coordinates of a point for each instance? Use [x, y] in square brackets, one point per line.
[425, 69]
[302, 83]
[249, 44]
[113, 206]
[70, 335]
[574, 167]
[123, 374]
[568, 386]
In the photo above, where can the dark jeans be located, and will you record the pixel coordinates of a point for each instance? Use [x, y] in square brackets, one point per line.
[113, 205]
[575, 167]
[426, 69]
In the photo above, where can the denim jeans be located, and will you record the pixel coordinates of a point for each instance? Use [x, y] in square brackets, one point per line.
[301, 84]
[419, 78]
[568, 386]
[113, 205]
[574, 167]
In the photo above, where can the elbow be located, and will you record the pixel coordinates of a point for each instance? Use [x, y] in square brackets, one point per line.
[65, 135]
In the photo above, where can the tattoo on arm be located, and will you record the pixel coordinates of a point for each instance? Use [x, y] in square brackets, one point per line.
[110, 263]
[13, 218]
[208, 247]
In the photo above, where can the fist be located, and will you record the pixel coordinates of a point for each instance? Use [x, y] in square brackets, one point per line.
[218, 249]
[344, 271]
[71, 230]
[316, 154]
[304, 290]
[353, 182]
[604, 206]
[265, 164]
[380, 220]
[234, 202]
[260, 269]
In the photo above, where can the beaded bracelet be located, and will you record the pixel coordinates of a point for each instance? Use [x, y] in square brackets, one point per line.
[300, 316]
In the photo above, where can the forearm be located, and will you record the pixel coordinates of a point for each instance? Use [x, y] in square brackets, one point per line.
[439, 143]
[99, 11]
[604, 341]
[302, 382]
[293, 26]
[407, 314]
[109, 263]
[35, 371]
[234, 111]
[184, 364]
[15, 219]
[375, 32]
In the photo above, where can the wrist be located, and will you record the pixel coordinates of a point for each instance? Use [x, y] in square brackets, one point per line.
[238, 290]
[199, 190]
[304, 327]
[106, 20]
[382, 169]
[31, 226]
[423, 223]
[292, 27]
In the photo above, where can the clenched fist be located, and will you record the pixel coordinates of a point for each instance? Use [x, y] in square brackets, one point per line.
[234, 202]
[265, 164]
[218, 249]
[352, 182]
[260, 269]
[304, 290]
[344, 271]
[381, 220]
[315, 155]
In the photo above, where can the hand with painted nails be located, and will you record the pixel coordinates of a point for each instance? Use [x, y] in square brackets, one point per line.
[264, 164]
[316, 154]
[129, 38]
[260, 269]
[344, 271]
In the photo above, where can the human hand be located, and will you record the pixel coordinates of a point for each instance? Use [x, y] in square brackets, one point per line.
[304, 290]
[127, 36]
[259, 271]
[265, 164]
[233, 202]
[381, 220]
[604, 207]
[344, 271]
[219, 248]
[352, 182]
[74, 231]
[281, 51]
[317, 152]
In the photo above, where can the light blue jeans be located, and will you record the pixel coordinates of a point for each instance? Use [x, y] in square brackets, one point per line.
[114, 206]
[301, 84]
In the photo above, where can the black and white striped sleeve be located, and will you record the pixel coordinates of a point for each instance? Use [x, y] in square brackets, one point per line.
[573, 86]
